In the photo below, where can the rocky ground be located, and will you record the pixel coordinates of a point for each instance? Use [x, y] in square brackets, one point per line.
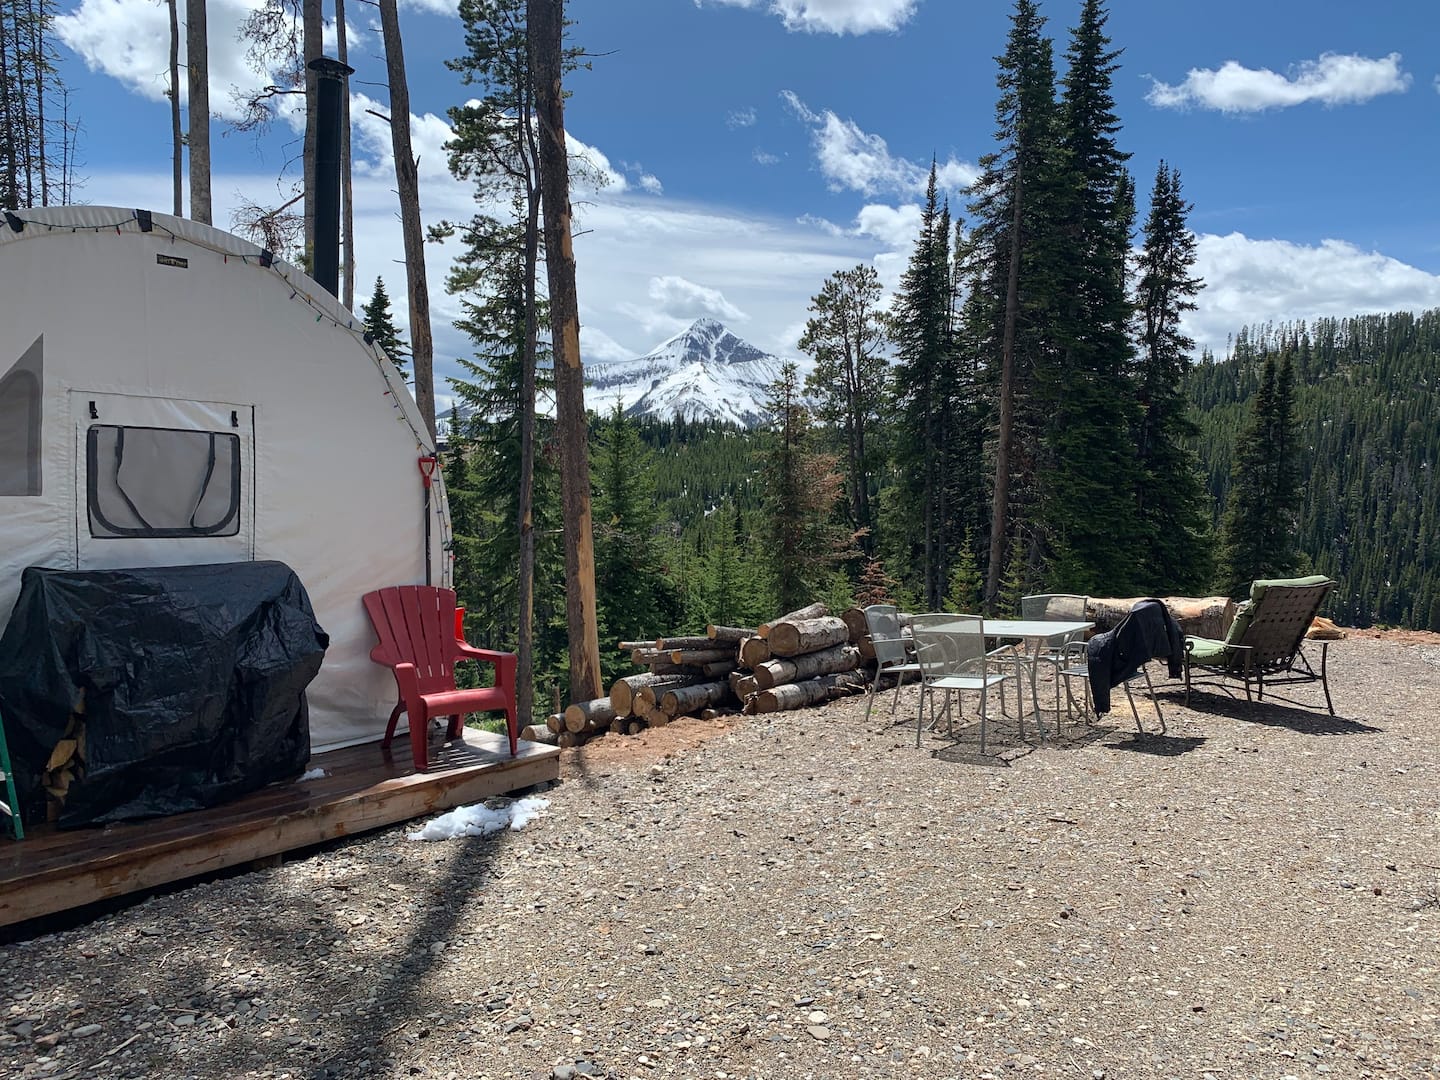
[1254, 894]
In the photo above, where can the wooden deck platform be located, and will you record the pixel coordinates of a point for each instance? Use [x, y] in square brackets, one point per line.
[54, 870]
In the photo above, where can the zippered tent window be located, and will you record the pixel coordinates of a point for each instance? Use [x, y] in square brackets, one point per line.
[162, 483]
[20, 416]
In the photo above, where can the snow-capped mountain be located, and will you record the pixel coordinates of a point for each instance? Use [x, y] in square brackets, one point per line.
[703, 373]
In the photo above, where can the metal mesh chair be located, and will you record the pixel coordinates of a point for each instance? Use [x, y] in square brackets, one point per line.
[952, 655]
[892, 657]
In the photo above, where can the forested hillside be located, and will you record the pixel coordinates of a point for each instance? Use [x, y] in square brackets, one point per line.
[1367, 408]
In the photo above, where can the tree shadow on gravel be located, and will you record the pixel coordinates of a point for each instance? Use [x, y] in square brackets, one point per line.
[255, 975]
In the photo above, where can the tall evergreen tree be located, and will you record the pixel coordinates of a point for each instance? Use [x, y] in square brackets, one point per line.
[801, 491]
[1087, 474]
[1170, 495]
[847, 335]
[380, 326]
[495, 146]
[633, 597]
[1012, 212]
[923, 385]
[1259, 527]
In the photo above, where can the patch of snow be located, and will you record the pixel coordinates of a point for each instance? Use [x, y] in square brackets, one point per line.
[481, 820]
[314, 774]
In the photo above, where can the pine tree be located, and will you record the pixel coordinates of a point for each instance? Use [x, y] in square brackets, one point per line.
[1260, 517]
[1087, 468]
[875, 585]
[923, 349]
[380, 326]
[965, 585]
[634, 600]
[847, 335]
[1170, 495]
[1010, 305]
[802, 489]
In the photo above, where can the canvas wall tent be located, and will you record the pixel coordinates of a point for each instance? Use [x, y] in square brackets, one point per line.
[169, 394]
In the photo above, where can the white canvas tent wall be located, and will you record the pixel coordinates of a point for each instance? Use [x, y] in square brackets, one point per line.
[313, 440]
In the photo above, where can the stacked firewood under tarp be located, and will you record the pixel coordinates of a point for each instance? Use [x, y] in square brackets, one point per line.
[802, 658]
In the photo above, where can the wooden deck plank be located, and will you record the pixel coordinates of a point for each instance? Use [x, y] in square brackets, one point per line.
[54, 870]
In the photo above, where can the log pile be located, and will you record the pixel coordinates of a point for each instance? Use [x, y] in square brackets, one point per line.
[801, 658]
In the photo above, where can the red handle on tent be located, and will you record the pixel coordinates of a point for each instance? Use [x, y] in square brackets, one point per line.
[427, 469]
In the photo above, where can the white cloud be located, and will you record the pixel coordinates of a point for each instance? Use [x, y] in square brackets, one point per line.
[1334, 79]
[741, 118]
[833, 16]
[1254, 281]
[762, 157]
[851, 158]
[130, 40]
[686, 300]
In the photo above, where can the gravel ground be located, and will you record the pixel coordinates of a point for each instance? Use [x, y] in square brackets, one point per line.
[1256, 895]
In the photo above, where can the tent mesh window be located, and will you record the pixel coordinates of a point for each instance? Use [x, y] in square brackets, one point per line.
[163, 483]
[20, 412]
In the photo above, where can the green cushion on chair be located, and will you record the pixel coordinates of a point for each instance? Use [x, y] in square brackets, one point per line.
[1257, 593]
[1204, 650]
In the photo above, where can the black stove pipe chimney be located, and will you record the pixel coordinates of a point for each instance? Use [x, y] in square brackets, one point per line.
[325, 258]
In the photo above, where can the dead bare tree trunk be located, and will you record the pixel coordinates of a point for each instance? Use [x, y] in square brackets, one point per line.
[545, 21]
[177, 138]
[197, 60]
[312, 26]
[407, 182]
[347, 219]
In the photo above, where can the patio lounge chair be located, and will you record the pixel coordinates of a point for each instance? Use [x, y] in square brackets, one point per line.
[1263, 644]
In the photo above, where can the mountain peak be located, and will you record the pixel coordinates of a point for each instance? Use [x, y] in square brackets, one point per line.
[705, 372]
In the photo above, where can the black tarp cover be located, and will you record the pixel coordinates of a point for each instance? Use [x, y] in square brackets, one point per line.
[191, 678]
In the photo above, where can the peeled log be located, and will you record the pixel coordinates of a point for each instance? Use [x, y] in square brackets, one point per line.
[686, 699]
[798, 636]
[810, 692]
[588, 715]
[855, 622]
[753, 651]
[1208, 617]
[825, 662]
[810, 611]
[729, 635]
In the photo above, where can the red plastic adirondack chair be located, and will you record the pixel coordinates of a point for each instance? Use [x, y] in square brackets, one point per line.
[416, 627]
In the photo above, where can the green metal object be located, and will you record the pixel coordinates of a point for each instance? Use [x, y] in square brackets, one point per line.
[10, 807]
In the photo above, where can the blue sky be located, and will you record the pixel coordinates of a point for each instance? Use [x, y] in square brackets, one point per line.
[755, 146]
